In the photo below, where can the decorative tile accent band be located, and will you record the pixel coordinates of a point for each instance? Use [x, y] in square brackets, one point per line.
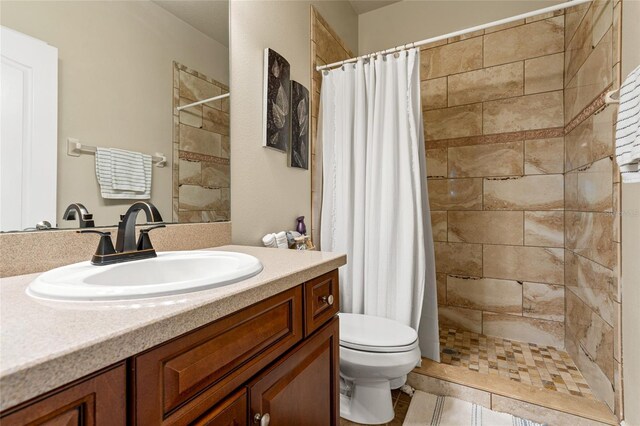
[594, 107]
[194, 156]
[553, 132]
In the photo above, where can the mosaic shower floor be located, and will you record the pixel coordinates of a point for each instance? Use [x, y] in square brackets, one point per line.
[528, 363]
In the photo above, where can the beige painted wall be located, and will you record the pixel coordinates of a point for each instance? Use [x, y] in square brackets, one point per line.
[115, 85]
[408, 21]
[630, 240]
[266, 195]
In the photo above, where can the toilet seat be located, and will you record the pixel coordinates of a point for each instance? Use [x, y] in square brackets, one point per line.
[375, 334]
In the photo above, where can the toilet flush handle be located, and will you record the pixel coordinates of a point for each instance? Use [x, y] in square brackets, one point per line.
[262, 419]
[327, 299]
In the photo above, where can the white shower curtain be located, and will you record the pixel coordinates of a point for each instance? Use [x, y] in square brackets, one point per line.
[374, 201]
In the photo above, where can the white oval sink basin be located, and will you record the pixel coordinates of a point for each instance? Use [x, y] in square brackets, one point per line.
[169, 273]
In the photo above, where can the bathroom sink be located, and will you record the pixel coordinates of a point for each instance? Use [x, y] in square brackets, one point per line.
[169, 273]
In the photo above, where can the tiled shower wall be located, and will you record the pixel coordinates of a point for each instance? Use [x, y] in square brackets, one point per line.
[493, 119]
[592, 201]
[201, 172]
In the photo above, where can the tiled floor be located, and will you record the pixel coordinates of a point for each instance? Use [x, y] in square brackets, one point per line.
[400, 405]
[528, 363]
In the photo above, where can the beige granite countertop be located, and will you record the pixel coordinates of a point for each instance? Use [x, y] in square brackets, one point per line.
[44, 345]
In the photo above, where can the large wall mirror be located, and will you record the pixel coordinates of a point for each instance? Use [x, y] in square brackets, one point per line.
[97, 109]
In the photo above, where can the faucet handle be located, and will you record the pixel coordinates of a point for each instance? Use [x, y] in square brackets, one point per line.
[105, 246]
[144, 242]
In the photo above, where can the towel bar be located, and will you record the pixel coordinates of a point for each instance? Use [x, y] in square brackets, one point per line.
[75, 148]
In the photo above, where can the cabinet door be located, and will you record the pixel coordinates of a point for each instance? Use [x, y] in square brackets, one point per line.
[97, 400]
[303, 387]
[230, 412]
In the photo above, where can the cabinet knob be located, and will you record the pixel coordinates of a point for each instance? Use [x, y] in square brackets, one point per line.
[327, 299]
[262, 419]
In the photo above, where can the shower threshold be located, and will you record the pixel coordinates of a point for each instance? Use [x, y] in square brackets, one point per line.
[537, 382]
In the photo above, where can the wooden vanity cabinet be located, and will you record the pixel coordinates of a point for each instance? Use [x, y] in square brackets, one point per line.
[303, 387]
[99, 399]
[277, 359]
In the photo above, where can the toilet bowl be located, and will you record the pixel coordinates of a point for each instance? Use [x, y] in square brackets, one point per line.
[376, 354]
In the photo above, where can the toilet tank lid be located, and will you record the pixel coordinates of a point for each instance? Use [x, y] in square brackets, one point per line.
[371, 331]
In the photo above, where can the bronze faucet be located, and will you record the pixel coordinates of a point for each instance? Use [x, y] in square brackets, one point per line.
[127, 248]
[85, 219]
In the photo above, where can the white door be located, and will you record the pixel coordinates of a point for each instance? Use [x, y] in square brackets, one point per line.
[28, 131]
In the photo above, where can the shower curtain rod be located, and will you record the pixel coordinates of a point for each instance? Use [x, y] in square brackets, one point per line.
[459, 32]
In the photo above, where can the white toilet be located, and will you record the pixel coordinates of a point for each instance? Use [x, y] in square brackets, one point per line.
[376, 354]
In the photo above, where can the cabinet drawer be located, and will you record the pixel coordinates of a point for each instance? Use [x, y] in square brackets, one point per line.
[321, 300]
[180, 380]
[230, 412]
[96, 400]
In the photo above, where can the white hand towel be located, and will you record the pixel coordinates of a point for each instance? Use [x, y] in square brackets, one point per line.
[628, 128]
[123, 174]
[281, 240]
[269, 240]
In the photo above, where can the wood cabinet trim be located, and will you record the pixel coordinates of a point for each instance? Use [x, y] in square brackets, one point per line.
[162, 397]
[317, 310]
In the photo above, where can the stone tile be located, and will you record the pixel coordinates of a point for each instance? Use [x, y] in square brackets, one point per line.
[543, 156]
[617, 35]
[524, 42]
[617, 212]
[594, 185]
[544, 74]
[215, 120]
[195, 89]
[536, 264]
[593, 284]
[458, 258]
[538, 413]
[455, 194]
[189, 172]
[200, 141]
[544, 301]
[453, 122]
[589, 234]
[593, 77]
[436, 162]
[499, 159]
[506, 26]
[578, 46]
[441, 285]
[571, 191]
[444, 388]
[191, 116]
[544, 228]
[215, 175]
[189, 216]
[540, 332]
[434, 93]
[460, 318]
[573, 18]
[537, 111]
[465, 36]
[597, 380]
[602, 19]
[327, 46]
[592, 332]
[590, 140]
[439, 225]
[486, 84]
[535, 192]
[485, 294]
[225, 147]
[451, 58]
[194, 197]
[544, 16]
[489, 227]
